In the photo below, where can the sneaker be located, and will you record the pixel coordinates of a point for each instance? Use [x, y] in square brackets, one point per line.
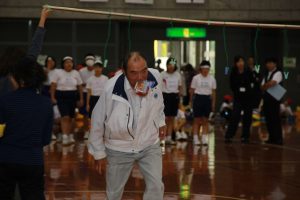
[170, 142]
[86, 135]
[196, 140]
[65, 139]
[71, 139]
[184, 135]
[178, 135]
[205, 139]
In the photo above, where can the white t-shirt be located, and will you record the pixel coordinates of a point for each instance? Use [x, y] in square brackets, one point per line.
[66, 81]
[85, 74]
[203, 85]
[276, 77]
[96, 84]
[50, 75]
[171, 82]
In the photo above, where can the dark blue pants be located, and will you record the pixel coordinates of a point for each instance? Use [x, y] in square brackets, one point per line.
[238, 107]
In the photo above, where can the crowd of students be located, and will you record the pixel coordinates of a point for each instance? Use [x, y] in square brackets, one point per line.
[72, 89]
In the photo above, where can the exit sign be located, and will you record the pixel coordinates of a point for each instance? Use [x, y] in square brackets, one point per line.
[178, 32]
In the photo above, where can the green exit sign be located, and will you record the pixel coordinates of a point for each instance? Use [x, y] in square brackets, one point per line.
[178, 32]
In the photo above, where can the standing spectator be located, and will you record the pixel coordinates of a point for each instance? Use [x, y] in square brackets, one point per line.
[127, 122]
[28, 119]
[50, 69]
[171, 89]
[65, 87]
[85, 73]
[241, 80]
[256, 80]
[271, 106]
[188, 73]
[95, 86]
[203, 99]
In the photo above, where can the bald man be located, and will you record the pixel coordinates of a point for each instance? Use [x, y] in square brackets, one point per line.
[127, 123]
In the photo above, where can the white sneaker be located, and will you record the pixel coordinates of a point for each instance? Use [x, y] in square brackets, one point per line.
[65, 139]
[178, 135]
[71, 139]
[196, 140]
[204, 139]
[53, 137]
[184, 135]
[169, 141]
[59, 137]
[86, 135]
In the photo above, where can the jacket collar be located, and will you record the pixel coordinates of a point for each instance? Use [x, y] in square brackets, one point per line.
[119, 88]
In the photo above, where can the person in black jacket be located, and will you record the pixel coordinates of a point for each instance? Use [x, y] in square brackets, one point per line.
[241, 81]
[26, 120]
[256, 91]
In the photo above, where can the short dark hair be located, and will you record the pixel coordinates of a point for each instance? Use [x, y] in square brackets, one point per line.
[47, 59]
[172, 60]
[271, 60]
[205, 62]
[236, 59]
[28, 73]
[129, 56]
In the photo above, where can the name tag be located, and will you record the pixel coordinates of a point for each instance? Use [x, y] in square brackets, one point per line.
[242, 89]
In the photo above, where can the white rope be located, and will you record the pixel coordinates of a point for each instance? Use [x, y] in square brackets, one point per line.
[168, 19]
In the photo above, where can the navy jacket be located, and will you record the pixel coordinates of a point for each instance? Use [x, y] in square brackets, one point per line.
[29, 119]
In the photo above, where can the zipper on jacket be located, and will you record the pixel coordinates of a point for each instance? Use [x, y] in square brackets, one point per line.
[128, 124]
[105, 126]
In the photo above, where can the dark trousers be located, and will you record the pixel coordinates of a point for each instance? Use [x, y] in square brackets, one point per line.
[271, 110]
[30, 180]
[236, 117]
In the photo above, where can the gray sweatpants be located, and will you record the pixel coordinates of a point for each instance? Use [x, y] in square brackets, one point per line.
[119, 167]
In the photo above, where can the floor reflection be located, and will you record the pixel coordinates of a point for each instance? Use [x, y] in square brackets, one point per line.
[219, 171]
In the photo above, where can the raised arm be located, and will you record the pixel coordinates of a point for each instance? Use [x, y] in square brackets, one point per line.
[38, 37]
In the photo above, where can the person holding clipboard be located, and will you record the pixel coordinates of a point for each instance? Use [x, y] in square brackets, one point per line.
[273, 92]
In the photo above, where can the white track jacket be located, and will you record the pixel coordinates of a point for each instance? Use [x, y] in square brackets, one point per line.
[112, 118]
